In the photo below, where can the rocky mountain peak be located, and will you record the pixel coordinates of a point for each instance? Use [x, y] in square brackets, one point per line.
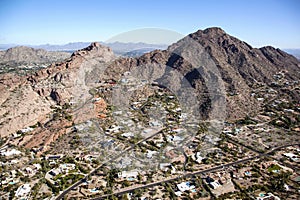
[95, 49]
[214, 30]
[95, 44]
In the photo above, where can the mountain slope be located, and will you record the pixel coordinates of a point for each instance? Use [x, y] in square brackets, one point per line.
[220, 70]
[240, 67]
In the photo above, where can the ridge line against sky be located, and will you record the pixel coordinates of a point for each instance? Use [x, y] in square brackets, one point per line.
[259, 23]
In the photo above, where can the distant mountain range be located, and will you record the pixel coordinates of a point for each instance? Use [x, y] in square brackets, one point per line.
[119, 48]
[294, 52]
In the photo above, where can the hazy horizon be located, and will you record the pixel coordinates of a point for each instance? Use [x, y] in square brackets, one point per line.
[259, 23]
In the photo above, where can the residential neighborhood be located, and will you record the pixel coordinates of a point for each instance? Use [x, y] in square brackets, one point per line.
[133, 154]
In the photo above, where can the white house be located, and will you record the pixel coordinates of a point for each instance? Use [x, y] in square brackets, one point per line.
[25, 130]
[291, 156]
[28, 170]
[23, 190]
[128, 134]
[37, 166]
[66, 167]
[184, 186]
[128, 174]
[150, 153]
[10, 152]
[263, 196]
[197, 157]
[214, 184]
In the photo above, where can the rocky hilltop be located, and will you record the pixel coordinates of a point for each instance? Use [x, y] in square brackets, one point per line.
[22, 58]
[28, 55]
[221, 70]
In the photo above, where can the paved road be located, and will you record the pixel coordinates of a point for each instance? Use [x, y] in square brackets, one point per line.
[155, 132]
[126, 190]
[152, 134]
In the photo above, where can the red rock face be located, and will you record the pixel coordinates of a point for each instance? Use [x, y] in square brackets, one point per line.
[100, 108]
[35, 94]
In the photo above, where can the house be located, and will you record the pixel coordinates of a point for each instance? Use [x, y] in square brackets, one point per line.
[13, 162]
[37, 166]
[164, 166]
[10, 152]
[268, 196]
[183, 116]
[119, 112]
[66, 167]
[291, 156]
[28, 170]
[128, 134]
[124, 81]
[178, 130]
[155, 123]
[127, 123]
[178, 193]
[54, 172]
[128, 174]
[150, 154]
[13, 173]
[227, 130]
[25, 130]
[260, 99]
[90, 157]
[288, 110]
[214, 184]
[23, 191]
[174, 138]
[32, 169]
[247, 173]
[286, 187]
[184, 186]
[52, 162]
[54, 157]
[127, 73]
[197, 157]
[114, 129]
[96, 99]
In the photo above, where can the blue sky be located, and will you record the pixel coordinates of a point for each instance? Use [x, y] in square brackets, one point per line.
[258, 22]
